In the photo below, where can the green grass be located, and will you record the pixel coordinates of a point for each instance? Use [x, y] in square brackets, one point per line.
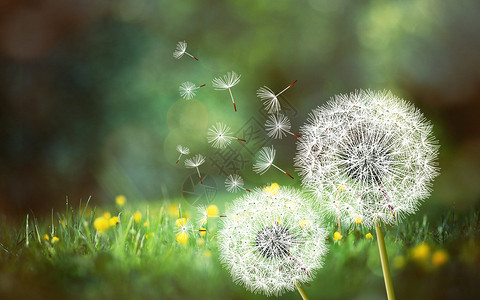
[127, 262]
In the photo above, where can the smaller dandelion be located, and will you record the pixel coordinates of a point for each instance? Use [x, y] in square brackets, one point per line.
[113, 221]
[234, 183]
[269, 99]
[421, 252]
[439, 258]
[265, 161]
[173, 210]
[358, 220]
[272, 190]
[220, 137]
[46, 237]
[207, 253]
[369, 236]
[337, 236]
[187, 90]
[226, 83]
[278, 126]
[195, 162]
[55, 240]
[181, 50]
[120, 200]
[137, 216]
[101, 224]
[183, 151]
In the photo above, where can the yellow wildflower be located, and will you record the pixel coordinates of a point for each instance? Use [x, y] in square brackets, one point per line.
[149, 235]
[369, 236]
[173, 210]
[272, 190]
[212, 210]
[304, 223]
[337, 236]
[207, 253]
[421, 251]
[399, 262]
[120, 200]
[137, 216]
[203, 232]
[113, 221]
[55, 240]
[106, 215]
[146, 224]
[358, 220]
[182, 237]
[46, 237]
[439, 258]
[101, 224]
[181, 222]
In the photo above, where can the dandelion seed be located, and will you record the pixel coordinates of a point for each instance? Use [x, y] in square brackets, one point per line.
[181, 50]
[278, 126]
[195, 162]
[184, 226]
[265, 161]
[220, 136]
[234, 183]
[227, 82]
[264, 248]
[270, 100]
[183, 151]
[187, 90]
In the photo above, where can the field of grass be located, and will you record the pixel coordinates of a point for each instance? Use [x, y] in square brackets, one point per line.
[87, 253]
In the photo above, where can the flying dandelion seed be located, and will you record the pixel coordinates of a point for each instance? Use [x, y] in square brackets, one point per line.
[378, 148]
[195, 162]
[270, 100]
[181, 50]
[268, 246]
[187, 90]
[183, 228]
[234, 183]
[183, 151]
[278, 126]
[227, 82]
[220, 137]
[265, 161]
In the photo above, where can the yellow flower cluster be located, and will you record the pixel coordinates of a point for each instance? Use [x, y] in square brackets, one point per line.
[422, 253]
[104, 222]
[272, 190]
[337, 236]
[120, 200]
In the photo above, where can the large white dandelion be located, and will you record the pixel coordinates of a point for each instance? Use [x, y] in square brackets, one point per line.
[369, 155]
[270, 243]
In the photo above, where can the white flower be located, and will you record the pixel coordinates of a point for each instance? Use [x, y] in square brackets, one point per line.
[278, 126]
[227, 82]
[220, 137]
[270, 100]
[270, 243]
[181, 50]
[187, 90]
[195, 162]
[265, 161]
[234, 183]
[368, 154]
[183, 151]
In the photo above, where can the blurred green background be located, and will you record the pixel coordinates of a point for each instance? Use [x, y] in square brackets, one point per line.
[90, 102]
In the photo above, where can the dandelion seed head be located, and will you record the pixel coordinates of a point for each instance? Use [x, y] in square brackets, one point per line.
[263, 246]
[277, 126]
[180, 50]
[227, 81]
[367, 155]
[219, 136]
[194, 161]
[187, 90]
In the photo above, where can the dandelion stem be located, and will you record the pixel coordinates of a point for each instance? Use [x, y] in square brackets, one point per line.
[384, 258]
[179, 158]
[241, 140]
[301, 291]
[282, 171]
[191, 55]
[285, 89]
[199, 176]
[231, 96]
